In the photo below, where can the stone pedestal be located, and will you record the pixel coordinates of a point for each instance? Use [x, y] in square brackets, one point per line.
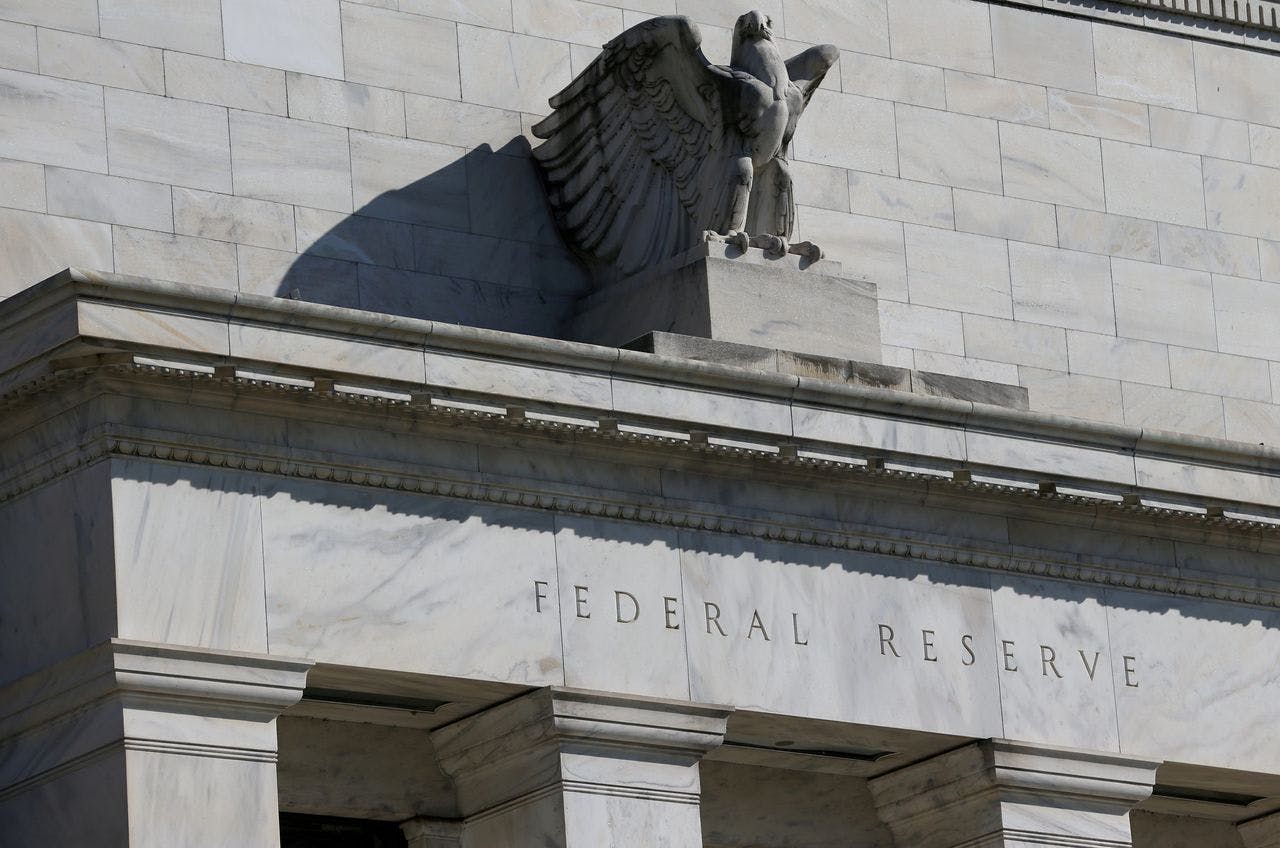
[576, 769]
[717, 292]
[141, 745]
[1001, 794]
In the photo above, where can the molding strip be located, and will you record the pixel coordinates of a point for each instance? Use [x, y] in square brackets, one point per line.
[1259, 14]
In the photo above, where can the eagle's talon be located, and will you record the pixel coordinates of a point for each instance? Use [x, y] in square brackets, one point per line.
[808, 250]
[692, 147]
[773, 246]
[737, 238]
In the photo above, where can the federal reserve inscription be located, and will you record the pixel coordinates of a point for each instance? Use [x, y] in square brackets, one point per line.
[622, 607]
[1054, 661]
[890, 641]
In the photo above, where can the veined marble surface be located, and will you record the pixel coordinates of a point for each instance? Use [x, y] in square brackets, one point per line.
[168, 590]
[432, 585]
[363, 577]
[614, 520]
[420, 584]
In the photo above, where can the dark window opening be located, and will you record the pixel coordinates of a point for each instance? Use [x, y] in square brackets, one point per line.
[302, 831]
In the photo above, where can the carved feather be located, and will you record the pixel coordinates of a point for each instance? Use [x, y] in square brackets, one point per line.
[626, 150]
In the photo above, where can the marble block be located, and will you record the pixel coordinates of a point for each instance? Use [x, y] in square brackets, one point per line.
[870, 375]
[716, 291]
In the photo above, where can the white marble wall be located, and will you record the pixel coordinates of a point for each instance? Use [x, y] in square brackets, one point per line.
[362, 577]
[170, 590]
[1083, 208]
[422, 584]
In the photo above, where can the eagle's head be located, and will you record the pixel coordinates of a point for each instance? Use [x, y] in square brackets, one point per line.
[753, 26]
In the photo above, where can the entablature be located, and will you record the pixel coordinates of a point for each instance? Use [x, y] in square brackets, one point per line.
[295, 361]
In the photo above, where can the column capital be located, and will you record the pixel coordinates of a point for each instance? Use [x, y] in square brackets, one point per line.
[556, 738]
[160, 728]
[158, 674]
[114, 693]
[1000, 792]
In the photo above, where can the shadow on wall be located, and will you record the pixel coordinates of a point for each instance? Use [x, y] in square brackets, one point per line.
[471, 243]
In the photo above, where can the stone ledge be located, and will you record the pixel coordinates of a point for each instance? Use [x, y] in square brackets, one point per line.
[387, 355]
[847, 371]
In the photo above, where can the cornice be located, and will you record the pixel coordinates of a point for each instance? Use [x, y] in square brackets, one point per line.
[1251, 23]
[1251, 13]
[340, 323]
[108, 441]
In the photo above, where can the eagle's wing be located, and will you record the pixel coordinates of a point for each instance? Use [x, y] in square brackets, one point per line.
[807, 69]
[626, 147]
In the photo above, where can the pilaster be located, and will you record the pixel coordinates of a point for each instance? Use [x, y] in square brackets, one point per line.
[138, 744]
[998, 793]
[577, 769]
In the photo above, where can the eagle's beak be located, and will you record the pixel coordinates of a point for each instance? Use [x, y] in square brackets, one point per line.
[756, 25]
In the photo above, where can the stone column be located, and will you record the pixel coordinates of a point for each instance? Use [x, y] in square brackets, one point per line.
[1261, 833]
[577, 769]
[1002, 794]
[144, 745]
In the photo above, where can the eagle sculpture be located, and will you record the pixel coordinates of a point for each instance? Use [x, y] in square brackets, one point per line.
[653, 148]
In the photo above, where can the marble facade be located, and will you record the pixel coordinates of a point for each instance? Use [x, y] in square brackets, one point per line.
[504, 590]
[337, 506]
